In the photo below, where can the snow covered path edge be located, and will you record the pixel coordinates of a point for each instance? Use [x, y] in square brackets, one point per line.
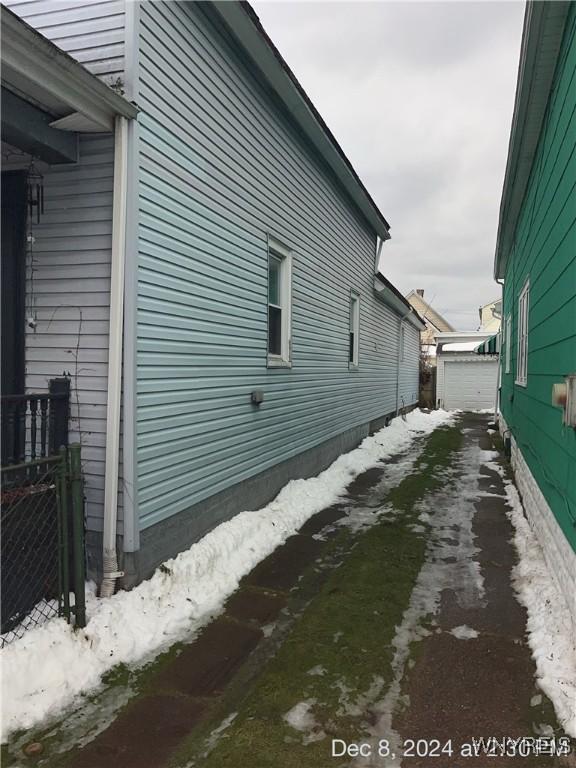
[549, 624]
[44, 671]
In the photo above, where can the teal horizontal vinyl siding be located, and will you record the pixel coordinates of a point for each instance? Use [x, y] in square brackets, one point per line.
[545, 252]
[221, 169]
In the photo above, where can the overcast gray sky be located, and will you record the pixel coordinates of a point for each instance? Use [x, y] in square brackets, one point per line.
[420, 97]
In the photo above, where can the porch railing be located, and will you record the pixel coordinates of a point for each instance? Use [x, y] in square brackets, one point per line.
[35, 425]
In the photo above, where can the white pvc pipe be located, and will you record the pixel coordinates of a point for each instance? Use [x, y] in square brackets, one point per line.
[110, 556]
[379, 245]
[398, 361]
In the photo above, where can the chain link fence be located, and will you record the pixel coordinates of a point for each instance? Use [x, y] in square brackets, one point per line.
[42, 545]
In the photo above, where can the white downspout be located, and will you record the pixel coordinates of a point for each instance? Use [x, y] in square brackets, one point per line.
[110, 557]
[398, 361]
[379, 244]
[499, 380]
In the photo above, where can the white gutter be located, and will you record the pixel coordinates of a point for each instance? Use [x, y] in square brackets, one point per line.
[387, 296]
[110, 557]
[29, 59]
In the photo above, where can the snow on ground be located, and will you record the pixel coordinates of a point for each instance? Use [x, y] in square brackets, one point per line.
[464, 632]
[217, 733]
[132, 627]
[40, 614]
[301, 718]
[550, 634]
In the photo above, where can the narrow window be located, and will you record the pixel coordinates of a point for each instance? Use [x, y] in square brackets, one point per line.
[508, 341]
[522, 354]
[354, 336]
[279, 304]
[402, 341]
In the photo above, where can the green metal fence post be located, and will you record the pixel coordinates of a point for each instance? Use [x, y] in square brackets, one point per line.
[64, 538]
[78, 535]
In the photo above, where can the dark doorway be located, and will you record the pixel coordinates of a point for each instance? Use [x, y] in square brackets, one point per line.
[13, 281]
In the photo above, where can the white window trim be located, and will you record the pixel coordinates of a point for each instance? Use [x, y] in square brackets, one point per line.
[284, 254]
[522, 351]
[354, 323]
[508, 342]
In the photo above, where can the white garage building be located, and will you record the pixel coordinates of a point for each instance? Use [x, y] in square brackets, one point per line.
[465, 380]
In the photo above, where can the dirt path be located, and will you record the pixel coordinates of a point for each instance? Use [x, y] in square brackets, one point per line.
[471, 678]
[389, 617]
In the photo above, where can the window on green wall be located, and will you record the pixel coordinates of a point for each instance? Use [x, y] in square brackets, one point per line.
[508, 342]
[522, 355]
[279, 304]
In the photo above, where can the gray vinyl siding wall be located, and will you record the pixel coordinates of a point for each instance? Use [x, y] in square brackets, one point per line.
[221, 169]
[68, 293]
[410, 366]
[92, 31]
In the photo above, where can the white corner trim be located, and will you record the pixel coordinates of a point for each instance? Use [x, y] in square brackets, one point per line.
[113, 402]
[558, 554]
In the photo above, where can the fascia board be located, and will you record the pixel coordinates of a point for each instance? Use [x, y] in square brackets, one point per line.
[544, 24]
[389, 298]
[27, 52]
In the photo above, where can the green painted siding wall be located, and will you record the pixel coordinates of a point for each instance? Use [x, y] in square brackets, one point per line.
[545, 252]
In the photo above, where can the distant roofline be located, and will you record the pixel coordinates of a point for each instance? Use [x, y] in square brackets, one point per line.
[430, 309]
[245, 26]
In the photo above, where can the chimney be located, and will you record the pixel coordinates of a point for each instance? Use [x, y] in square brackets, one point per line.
[420, 292]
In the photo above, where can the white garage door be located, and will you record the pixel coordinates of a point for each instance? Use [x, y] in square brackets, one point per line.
[470, 385]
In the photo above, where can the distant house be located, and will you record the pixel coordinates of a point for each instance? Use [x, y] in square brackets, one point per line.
[201, 268]
[435, 323]
[536, 259]
[491, 316]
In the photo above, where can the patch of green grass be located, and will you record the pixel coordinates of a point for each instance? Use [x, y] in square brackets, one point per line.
[426, 476]
[345, 631]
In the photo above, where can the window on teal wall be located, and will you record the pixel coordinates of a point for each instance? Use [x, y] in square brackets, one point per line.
[279, 304]
[508, 342]
[274, 307]
[522, 355]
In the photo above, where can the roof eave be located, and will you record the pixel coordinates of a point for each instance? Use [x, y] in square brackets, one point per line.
[542, 35]
[243, 23]
[26, 52]
[391, 296]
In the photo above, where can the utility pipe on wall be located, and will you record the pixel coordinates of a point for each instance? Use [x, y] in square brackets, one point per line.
[110, 555]
[398, 361]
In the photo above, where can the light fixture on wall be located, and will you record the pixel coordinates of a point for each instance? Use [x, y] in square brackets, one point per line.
[35, 184]
[564, 396]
